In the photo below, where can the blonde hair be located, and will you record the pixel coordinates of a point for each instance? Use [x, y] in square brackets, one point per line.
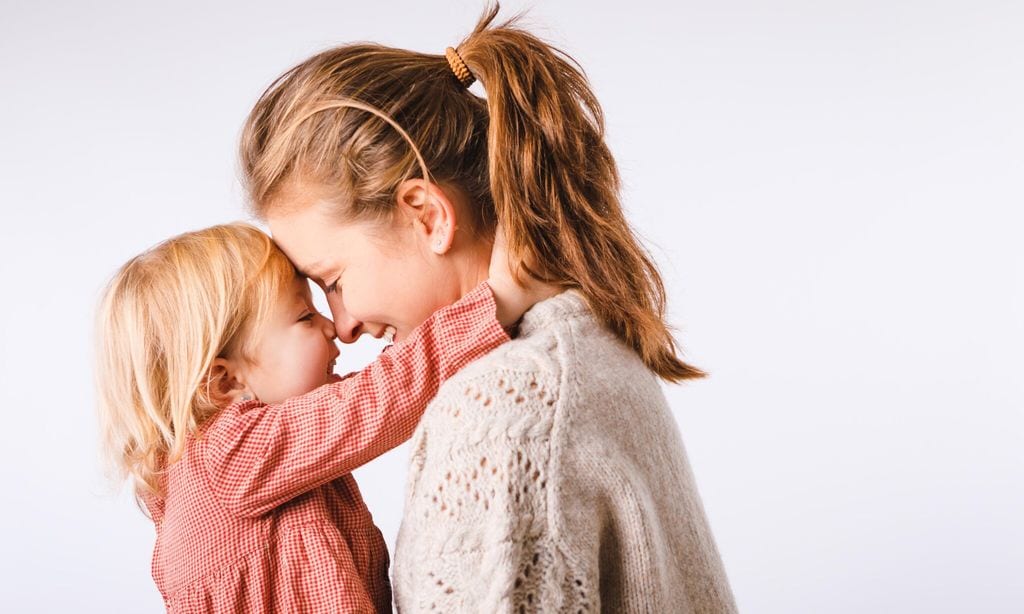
[163, 319]
[358, 120]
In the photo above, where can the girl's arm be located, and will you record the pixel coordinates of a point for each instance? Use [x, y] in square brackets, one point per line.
[260, 456]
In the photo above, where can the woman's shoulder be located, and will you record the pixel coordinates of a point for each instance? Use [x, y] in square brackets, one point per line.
[543, 346]
[561, 337]
[561, 358]
[564, 389]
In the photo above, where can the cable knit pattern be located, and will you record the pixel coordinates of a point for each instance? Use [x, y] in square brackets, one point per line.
[549, 476]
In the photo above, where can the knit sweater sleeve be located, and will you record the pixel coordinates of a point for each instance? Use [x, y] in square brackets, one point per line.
[479, 535]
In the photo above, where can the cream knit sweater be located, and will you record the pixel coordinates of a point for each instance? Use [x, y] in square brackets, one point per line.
[549, 476]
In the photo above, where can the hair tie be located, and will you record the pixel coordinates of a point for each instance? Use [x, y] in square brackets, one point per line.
[459, 67]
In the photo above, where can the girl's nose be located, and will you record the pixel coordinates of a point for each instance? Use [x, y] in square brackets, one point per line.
[327, 326]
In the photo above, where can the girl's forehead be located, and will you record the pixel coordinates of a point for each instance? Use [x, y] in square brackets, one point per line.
[295, 293]
[299, 289]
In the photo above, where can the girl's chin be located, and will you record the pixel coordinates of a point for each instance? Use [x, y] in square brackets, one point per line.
[333, 377]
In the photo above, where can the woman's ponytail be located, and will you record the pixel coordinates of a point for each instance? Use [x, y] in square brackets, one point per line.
[555, 187]
[531, 155]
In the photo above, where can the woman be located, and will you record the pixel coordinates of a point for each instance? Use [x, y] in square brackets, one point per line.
[548, 475]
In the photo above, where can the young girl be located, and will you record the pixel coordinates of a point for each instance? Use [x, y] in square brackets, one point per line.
[217, 397]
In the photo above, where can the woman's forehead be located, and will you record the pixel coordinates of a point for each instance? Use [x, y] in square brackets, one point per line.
[303, 238]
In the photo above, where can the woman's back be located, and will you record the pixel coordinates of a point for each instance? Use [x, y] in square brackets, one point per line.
[550, 475]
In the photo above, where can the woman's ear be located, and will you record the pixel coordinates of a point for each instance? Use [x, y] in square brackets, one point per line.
[225, 383]
[432, 212]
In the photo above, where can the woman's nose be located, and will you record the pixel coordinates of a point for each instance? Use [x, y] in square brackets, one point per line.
[348, 328]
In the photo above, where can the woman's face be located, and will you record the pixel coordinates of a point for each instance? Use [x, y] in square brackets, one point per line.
[379, 276]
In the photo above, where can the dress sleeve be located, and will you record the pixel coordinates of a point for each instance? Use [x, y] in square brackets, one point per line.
[259, 456]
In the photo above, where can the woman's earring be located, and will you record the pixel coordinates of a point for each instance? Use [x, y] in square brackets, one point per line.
[440, 242]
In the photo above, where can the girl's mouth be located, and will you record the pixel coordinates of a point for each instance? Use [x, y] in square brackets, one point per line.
[389, 334]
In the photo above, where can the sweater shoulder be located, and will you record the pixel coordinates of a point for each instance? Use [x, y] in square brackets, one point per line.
[565, 369]
[561, 339]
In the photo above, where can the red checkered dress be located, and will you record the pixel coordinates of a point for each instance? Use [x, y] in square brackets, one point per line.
[262, 513]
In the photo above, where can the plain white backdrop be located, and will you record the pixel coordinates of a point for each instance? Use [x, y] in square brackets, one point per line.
[833, 189]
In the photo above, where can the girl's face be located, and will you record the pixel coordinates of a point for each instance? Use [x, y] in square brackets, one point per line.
[295, 352]
[378, 278]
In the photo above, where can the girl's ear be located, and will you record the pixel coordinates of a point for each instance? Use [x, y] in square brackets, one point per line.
[433, 214]
[226, 383]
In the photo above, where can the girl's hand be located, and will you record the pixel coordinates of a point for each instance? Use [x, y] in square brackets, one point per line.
[512, 299]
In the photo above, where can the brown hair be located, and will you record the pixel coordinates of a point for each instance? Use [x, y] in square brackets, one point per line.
[360, 119]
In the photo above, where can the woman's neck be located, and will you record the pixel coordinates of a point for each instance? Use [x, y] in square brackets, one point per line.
[473, 269]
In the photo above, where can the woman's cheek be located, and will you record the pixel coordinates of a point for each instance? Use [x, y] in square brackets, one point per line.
[356, 307]
[366, 299]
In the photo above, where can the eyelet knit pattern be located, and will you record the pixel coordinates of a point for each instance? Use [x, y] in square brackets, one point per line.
[549, 476]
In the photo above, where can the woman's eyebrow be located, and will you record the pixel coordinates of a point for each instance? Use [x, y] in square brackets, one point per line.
[311, 271]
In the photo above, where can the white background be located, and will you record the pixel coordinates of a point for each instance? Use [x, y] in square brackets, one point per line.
[833, 190]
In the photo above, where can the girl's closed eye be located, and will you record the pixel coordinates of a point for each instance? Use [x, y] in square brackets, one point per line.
[307, 317]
